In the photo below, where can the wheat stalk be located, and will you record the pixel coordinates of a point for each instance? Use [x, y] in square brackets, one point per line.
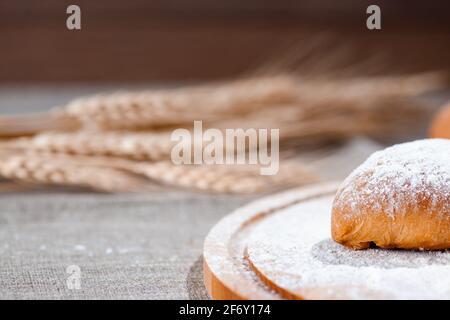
[171, 107]
[153, 146]
[64, 169]
[319, 120]
[35, 169]
[133, 110]
[180, 106]
[226, 179]
[13, 126]
[156, 108]
[166, 107]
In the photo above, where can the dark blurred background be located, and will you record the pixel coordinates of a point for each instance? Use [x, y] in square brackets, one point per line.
[166, 40]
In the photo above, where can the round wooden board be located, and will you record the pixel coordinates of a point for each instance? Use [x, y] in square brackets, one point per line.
[279, 247]
[228, 274]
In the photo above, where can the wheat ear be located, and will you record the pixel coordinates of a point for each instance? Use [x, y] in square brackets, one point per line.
[156, 108]
[34, 169]
[243, 179]
[226, 179]
[150, 145]
[153, 146]
[319, 120]
[128, 110]
[184, 105]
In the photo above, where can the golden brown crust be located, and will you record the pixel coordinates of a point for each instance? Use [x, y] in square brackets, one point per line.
[411, 228]
[389, 209]
[440, 127]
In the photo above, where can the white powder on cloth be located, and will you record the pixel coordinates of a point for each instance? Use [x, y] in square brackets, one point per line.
[402, 174]
[293, 249]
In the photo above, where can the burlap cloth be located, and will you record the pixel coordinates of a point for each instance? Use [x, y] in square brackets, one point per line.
[127, 247]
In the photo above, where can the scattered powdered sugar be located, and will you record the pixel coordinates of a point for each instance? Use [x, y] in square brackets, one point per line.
[330, 252]
[293, 249]
[402, 174]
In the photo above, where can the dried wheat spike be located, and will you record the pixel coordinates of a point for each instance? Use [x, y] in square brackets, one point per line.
[126, 110]
[102, 173]
[153, 146]
[129, 110]
[150, 145]
[156, 108]
[27, 168]
[321, 120]
[225, 179]
[162, 108]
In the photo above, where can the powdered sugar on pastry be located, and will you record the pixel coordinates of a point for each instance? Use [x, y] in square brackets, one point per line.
[404, 174]
[398, 198]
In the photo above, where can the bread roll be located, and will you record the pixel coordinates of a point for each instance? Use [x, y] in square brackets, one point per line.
[398, 198]
[440, 127]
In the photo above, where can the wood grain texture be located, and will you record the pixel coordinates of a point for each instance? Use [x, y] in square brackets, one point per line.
[227, 274]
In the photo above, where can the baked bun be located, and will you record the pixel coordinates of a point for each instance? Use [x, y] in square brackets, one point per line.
[440, 127]
[398, 198]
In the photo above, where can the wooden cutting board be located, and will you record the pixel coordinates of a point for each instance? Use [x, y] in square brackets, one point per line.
[279, 247]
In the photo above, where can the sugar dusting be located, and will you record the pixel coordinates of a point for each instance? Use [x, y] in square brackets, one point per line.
[292, 248]
[402, 174]
[330, 252]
